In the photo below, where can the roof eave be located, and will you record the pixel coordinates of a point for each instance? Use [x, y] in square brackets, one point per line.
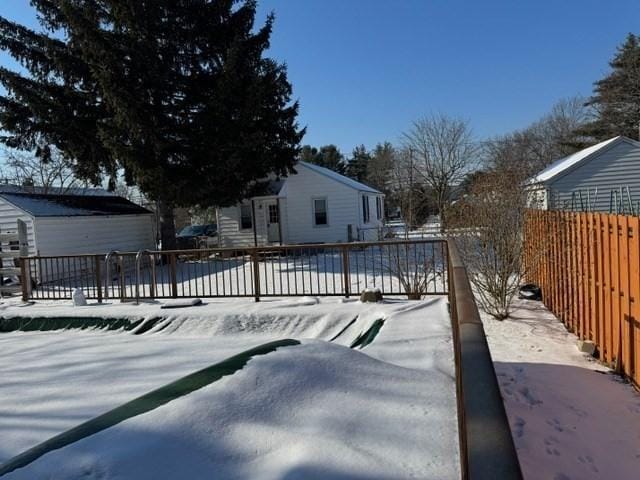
[588, 158]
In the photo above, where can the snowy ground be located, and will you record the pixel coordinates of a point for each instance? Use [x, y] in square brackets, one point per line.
[318, 410]
[571, 418]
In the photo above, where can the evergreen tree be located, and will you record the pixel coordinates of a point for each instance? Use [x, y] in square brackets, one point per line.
[177, 93]
[616, 99]
[308, 154]
[358, 165]
[328, 156]
[380, 166]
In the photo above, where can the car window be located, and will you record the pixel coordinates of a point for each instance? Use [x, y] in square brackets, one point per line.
[192, 230]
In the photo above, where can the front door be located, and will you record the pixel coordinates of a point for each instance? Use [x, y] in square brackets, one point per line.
[273, 222]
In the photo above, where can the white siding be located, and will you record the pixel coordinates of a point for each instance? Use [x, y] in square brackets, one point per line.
[93, 234]
[231, 235]
[9, 215]
[342, 208]
[619, 166]
[537, 197]
[369, 231]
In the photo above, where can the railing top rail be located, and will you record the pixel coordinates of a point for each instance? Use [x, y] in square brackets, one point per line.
[305, 246]
[484, 427]
[249, 250]
[79, 255]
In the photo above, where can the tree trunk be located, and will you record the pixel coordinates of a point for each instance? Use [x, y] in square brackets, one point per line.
[443, 217]
[167, 226]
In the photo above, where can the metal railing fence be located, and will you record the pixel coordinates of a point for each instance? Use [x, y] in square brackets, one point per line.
[338, 269]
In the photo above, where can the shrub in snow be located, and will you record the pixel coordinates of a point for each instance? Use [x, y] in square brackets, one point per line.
[414, 267]
[79, 300]
[489, 231]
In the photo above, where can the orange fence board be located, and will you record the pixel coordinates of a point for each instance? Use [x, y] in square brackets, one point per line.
[600, 280]
[588, 266]
[593, 304]
[623, 244]
[615, 289]
[607, 345]
[634, 298]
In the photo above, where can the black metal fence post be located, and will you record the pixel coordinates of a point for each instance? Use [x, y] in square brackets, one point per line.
[173, 275]
[345, 270]
[256, 275]
[98, 277]
[24, 278]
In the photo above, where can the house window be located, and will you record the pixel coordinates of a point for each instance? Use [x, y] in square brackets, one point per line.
[320, 211]
[246, 220]
[365, 209]
[379, 208]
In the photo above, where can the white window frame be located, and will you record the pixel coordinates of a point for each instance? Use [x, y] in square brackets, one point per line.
[313, 212]
[379, 207]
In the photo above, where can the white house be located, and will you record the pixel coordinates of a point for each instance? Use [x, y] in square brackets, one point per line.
[603, 177]
[314, 205]
[75, 224]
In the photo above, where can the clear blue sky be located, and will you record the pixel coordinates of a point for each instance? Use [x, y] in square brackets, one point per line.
[364, 69]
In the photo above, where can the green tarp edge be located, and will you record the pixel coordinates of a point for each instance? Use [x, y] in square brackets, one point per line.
[144, 404]
[368, 336]
[44, 324]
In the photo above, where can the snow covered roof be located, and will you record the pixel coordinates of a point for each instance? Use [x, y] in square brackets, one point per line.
[40, 205]
[563, 164]
[349, 182]
[11, 188]
[272, 187]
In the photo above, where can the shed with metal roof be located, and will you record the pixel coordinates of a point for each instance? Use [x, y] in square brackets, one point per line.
[60, 224]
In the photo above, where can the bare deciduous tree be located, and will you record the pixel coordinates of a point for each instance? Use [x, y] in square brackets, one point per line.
[552, 137]
[489, 225]
[25, 169]
[407, 189]
[445, 151]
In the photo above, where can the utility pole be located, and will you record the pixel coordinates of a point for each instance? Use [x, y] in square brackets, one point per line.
[410, 189]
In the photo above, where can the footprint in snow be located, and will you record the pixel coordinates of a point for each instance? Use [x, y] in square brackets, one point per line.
[561, 476]
[529, 398]
[555, 424]
[578, 411]
[550, 446]
[588, 461]
[518, 427]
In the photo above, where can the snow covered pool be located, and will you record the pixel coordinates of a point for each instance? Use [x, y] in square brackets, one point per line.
[317, 410]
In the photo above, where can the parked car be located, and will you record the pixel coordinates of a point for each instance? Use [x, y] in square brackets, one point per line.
[198, 236]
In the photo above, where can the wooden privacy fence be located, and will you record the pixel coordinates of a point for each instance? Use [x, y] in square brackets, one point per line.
[339, 269]
[588, 266]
